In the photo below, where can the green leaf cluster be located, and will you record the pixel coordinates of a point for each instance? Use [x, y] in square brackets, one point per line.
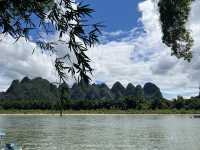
[174, 16]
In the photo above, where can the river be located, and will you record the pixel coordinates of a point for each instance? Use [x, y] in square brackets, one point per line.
[102, 132]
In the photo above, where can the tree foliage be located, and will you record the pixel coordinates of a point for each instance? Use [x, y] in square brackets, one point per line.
[20, 18]
[173, 17]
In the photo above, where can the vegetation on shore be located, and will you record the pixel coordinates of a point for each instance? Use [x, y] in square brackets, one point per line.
[101, 111]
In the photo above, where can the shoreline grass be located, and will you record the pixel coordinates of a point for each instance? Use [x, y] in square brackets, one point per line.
[101, 111]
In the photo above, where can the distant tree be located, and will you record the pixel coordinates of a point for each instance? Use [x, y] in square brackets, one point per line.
[173, 17]
[64, 97]
[130, 102]
[156, 104]
[179, 103]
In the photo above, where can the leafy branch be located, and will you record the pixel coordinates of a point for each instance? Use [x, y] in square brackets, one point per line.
[173, 17]
[21, 18]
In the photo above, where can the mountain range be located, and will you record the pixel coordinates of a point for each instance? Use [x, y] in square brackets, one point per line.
[42, 89]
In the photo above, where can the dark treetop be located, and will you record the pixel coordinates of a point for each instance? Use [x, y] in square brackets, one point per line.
[173, 17]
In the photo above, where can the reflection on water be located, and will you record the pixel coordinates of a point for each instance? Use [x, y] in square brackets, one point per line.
[125, 132]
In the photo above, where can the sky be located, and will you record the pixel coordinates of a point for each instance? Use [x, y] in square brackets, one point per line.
[111, 16]
[131, 50]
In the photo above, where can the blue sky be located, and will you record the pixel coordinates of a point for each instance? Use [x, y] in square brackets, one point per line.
[116, 14]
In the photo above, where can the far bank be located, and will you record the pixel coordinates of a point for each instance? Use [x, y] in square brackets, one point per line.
[99, 111]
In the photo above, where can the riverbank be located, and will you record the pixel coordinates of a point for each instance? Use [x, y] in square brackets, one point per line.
[99, 111]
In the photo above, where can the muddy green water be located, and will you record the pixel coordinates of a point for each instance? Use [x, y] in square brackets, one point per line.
[104, 132]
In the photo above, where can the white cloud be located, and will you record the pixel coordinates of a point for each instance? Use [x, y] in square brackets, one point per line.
[17, 61]
[144, 58]
[138, 57]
